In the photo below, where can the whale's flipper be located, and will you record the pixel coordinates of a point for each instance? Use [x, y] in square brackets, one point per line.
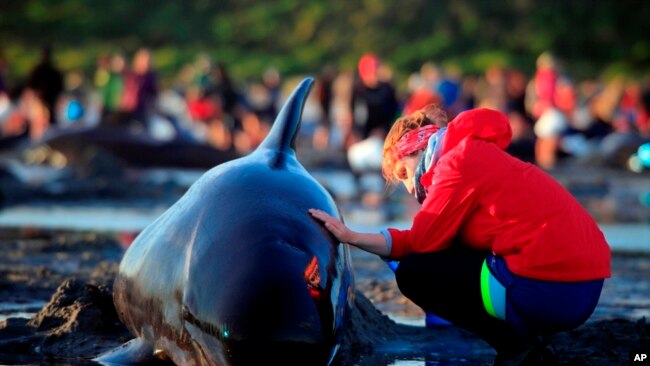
[282, 136]
[133, 352]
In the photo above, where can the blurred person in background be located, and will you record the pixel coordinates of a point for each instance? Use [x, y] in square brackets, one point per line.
[550, 122]
[644, 123]
[603, 104]
[606, 101]
[73, 100]
[13, 121]
[565, 98]
[629, 127]
[468, 93]
[582, 138]
[325, 92]
[44, 86]
[498, 247]
[374, 107]
[431, 75]
[202, 105]
[420, 95]
[450, 89]
[522, 145]
[259, 101]
[325, 95]
[3, 69]
[111, 85]
[205, 110]
[252, 133]
[272, 81]
[203, 102]
[202, 72]
[140, 88]
[374, 101]
[541, 91]
[5, 101]
[549, 130]
[516, 82]
[231, 99]
[213, 105]
[342, 134]
[13, 125]
[491, 89]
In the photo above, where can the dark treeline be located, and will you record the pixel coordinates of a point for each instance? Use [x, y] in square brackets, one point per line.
[304, 36]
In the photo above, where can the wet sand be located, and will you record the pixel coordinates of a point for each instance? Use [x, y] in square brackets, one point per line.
[55, 290]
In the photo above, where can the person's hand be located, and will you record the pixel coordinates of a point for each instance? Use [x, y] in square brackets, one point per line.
[370, 242]
[335, 226]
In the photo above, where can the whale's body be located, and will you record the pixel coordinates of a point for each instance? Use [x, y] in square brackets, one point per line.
[237, 272]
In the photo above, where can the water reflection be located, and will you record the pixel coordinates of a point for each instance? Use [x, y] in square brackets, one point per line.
[133, 217]
[19, 310]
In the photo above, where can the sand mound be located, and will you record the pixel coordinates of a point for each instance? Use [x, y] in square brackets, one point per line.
[79, 321]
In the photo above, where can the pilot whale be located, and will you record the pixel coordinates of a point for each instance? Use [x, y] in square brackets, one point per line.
[237, 272]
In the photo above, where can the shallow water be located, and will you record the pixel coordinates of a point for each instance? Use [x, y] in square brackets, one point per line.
[120, 217]
[131, 216]
[19, 310]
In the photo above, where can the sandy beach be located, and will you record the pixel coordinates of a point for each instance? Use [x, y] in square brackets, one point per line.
[56, 308]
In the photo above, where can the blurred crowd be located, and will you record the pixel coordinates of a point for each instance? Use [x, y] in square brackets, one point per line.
[553, 116]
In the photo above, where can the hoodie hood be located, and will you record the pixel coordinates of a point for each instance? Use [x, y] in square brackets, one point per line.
[480, 123]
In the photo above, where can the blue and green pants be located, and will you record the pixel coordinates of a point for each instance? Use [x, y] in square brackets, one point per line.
[476, 291]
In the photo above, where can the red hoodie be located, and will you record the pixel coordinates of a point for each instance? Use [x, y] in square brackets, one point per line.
[495, 202]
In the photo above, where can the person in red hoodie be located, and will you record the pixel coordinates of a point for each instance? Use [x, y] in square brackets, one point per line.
[498, 247]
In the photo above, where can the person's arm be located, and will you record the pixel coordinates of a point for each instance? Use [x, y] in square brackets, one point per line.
[373, 243]
[460, 179]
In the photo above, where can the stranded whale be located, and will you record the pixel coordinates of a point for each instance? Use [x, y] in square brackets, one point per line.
[237, 272]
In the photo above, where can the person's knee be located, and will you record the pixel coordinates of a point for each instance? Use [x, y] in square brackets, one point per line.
[406, 277]
[414, 275]
[417, 275]
[420, 270]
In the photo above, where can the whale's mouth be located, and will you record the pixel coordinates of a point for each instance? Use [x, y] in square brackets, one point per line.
[213, 344]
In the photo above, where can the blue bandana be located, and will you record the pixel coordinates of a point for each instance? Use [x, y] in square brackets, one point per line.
[429, 158]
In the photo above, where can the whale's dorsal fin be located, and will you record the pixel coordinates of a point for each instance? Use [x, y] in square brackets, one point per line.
[282, 137]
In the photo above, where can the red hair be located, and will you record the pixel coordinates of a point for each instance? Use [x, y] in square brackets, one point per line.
[432, 114]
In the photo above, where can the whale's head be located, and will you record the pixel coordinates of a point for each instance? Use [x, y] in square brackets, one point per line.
[252, 275]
